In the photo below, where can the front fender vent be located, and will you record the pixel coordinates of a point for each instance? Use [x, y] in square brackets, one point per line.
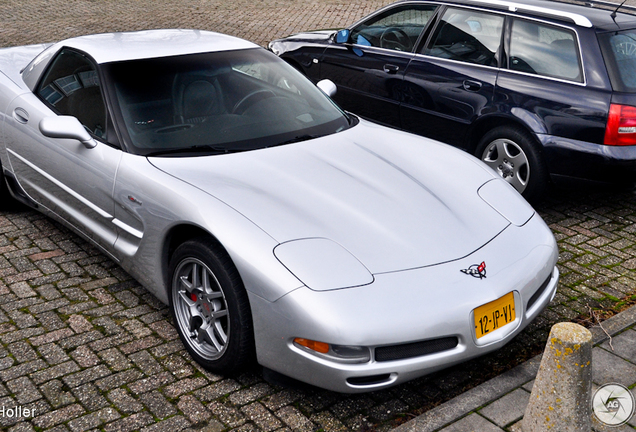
[415, 349]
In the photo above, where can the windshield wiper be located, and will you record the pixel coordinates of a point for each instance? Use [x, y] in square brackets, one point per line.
[300, 138]
[193, 149]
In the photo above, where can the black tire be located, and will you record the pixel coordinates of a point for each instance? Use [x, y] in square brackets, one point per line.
[513, 153]
[6, 200]
[210, 307]
[4, 190]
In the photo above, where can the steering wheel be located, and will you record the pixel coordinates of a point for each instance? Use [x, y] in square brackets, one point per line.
[627, 48]
[251, 98]
[395, 38]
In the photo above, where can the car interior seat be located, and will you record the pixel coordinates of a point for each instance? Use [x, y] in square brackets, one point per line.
[196, 97]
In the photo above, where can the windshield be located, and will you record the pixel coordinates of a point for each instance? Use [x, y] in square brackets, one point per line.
[619, 51]
[218, 102]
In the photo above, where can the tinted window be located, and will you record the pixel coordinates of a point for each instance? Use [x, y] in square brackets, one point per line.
[546, 50]
[71, 87]
[217, 102]
[619, 50]
[396, 29]
[467, 36]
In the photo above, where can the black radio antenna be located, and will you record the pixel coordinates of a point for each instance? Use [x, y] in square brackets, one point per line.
[613, 15]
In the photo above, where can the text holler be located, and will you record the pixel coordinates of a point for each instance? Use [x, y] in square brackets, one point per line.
[16, 412]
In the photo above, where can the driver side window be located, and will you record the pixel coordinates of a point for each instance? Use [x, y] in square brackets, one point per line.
[396, 29]
[468, 36]
[71, 87]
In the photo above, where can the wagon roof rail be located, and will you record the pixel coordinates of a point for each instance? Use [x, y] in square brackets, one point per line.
[542, 10]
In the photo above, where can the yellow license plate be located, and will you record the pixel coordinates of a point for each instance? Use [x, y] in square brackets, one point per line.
[494, 315]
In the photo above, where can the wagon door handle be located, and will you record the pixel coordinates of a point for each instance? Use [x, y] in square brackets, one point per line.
[471, 85]
[21, 115]
[391, 69]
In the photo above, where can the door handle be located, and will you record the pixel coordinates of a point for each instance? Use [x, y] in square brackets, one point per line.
[471, 85]
[21, 115]
[391, 69]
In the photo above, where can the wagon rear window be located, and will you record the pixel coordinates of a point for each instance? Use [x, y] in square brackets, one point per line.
[619, 50]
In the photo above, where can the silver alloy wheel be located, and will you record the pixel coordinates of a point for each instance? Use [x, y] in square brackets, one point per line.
[509, 160]
[200, 308]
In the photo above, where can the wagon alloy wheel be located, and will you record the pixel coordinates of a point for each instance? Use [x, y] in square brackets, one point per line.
[210, 307]
[515, 155]
[509, 160]
[201, 308]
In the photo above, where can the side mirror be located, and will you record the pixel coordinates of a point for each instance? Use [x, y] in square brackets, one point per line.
[66, 127]
[328, 87]
[343, 36]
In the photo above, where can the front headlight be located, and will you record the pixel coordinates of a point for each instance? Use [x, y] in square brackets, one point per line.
[322, 264]
[501, 196]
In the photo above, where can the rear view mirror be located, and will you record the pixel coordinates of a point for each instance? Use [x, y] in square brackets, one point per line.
[327, 86]
[342, 36]
[66, 127]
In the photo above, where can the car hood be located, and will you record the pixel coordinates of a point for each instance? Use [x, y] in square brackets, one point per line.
[393, 200]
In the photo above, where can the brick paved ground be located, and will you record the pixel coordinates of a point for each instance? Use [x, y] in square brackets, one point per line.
[260, 21]
[86, 348]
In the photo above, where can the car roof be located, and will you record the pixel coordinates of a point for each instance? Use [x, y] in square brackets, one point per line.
[597, 16]
[111, 47]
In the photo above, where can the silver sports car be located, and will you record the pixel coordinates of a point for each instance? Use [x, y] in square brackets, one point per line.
[276, 226]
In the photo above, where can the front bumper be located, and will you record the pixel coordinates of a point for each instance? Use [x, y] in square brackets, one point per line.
[405, 307]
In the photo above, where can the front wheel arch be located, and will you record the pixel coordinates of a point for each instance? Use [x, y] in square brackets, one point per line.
[173, 239]
[210, 306]
[515, 154]
[485, 124]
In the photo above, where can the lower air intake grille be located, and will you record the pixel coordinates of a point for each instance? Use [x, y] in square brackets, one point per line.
[369, 380]
[538, 292]
[415, 349]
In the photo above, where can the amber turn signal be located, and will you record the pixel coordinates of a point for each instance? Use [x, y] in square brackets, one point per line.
[320, 347]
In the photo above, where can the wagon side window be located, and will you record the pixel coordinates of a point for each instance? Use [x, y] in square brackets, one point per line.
[468, 36]
[543, 49]
[71, 87]
[397, 29]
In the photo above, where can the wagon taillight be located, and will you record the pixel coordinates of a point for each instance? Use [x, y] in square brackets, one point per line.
[621, 126]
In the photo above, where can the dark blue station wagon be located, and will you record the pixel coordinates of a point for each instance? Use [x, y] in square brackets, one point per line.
[538, 90]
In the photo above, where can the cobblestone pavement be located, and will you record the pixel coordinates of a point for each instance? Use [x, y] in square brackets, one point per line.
[37, 21]
[84, 347]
